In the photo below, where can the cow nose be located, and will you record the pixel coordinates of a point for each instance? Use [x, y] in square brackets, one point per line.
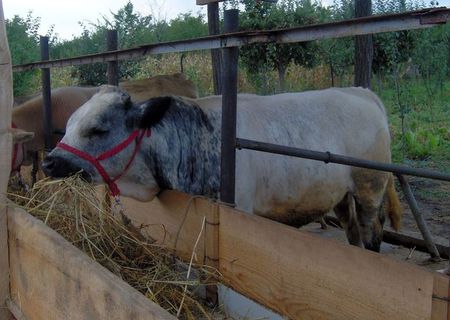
[48, 165]
[60, 167]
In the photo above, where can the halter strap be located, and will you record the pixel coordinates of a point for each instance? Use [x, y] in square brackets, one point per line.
[111, 182]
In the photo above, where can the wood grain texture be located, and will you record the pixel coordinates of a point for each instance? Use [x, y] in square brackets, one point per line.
[441, 296]
[51, 279]
[303, 276]
[173, 219]
[294, 273]
[6, 102]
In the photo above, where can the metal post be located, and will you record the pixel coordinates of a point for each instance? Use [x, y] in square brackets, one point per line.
[113, 66]
[229, 102]
[216, 54]
[419, 219]
[46, 96]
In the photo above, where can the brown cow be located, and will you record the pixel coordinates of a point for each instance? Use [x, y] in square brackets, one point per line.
[174, 84]
[65, 100]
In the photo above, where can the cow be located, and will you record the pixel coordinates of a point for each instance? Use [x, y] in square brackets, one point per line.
[65, 100]
[174, 143]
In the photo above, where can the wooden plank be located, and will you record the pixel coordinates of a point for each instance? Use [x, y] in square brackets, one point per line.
[303, 276]
[292, 272]
[51, 279]
[174, 219]
[15, 310]
[441, 296]
[6, 101]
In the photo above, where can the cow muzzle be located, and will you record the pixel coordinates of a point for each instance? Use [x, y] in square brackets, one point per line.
[59, 167]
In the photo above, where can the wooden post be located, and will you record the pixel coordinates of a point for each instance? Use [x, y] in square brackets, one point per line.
[212, 249]
[363, 48]
[6, 102]
[216, 54]
[46, 96]
[113, 66]
[419, 218]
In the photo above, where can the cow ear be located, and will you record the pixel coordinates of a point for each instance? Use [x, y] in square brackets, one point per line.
[152, 111]
[21, 136]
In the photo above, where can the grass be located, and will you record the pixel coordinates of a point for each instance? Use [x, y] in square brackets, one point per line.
[424, 139]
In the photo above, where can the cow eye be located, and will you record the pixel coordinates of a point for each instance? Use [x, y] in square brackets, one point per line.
[97, 131]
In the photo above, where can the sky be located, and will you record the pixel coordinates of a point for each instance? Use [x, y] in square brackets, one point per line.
[65, 15]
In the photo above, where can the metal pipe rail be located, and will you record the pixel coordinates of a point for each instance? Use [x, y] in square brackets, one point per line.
[367, 25]
[328, 157]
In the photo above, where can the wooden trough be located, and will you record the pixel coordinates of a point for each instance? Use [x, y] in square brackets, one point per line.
[296, 274]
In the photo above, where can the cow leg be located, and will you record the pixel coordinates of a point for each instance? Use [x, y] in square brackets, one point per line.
[346, 213]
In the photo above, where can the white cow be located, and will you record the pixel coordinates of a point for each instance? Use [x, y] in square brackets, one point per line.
[183, 153]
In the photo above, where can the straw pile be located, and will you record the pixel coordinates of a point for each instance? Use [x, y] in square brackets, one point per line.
[72, 208]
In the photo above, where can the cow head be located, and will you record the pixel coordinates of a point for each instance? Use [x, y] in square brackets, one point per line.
[100, 125]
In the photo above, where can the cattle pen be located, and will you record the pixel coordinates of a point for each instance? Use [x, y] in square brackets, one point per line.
[330, 281]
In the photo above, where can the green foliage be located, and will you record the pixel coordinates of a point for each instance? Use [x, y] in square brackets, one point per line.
[186, 26]
[393, 48]
[338, 53]
[422, 143]
[23, 38]
[133, 29]
[417, 133]
[259, 58]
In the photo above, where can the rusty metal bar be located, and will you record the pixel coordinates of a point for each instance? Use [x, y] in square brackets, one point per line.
[382, 23]
[419, 218]
[46, 96]
[113, 66]
[328, 157]
[229, 103]
[399, 239]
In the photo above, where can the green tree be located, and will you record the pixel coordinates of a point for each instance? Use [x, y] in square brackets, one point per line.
[338, 52]
[23, 38]
[260, 58]
[392, 48]
[133, 29]
[186, 26]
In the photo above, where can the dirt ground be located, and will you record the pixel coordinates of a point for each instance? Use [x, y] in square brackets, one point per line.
[433, 199]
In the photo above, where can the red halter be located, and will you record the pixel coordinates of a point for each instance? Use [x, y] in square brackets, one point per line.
[111, 182]
[15, 154]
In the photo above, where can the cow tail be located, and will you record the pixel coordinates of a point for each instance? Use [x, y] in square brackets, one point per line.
[394, 208]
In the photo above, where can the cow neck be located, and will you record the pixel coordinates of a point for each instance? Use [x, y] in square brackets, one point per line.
[15, 154]
[192, 143]
[137, 135]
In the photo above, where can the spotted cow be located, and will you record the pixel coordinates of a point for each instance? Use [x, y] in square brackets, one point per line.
[173, 143]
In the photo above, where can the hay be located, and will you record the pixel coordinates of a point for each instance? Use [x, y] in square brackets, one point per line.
[73, 208]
